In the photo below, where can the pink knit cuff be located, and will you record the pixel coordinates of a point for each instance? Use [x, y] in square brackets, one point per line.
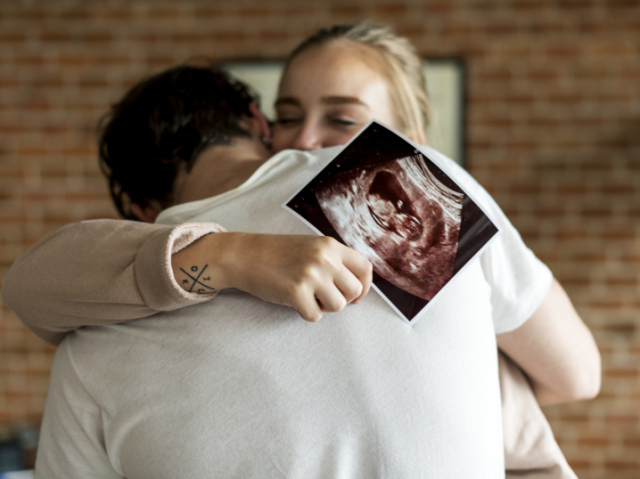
[153, 272]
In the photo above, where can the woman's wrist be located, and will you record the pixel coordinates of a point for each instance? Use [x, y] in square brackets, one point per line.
[200, 267]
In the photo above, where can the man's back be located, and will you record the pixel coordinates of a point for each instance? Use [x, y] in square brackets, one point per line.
[268, 395]
[242, 388]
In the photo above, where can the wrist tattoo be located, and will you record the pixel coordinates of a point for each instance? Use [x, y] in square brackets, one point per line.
[197, 282]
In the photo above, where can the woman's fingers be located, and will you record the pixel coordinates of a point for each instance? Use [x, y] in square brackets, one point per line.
[347, 281]
[348, 284]
[310, 273]
[331, 298]
[362, 269]
[330, 292]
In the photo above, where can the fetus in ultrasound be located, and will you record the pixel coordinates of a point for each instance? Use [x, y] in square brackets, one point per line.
[391, 209]
[401, 218]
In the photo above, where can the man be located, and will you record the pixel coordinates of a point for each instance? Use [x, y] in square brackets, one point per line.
[241, 388]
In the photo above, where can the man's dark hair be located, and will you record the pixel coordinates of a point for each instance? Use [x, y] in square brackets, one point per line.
[162, 124]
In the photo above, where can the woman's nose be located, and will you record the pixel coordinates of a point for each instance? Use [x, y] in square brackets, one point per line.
[307, 139]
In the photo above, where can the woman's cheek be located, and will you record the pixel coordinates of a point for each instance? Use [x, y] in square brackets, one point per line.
[282, 139]
[333, 138]
[287, 138]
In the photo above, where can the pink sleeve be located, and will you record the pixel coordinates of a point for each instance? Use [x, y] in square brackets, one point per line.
[99, 272]
[530, 450]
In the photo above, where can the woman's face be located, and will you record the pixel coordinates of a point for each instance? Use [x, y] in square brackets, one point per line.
[327, 95]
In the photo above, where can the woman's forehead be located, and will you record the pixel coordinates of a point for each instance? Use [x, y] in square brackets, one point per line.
[340, 67]
[341, 51]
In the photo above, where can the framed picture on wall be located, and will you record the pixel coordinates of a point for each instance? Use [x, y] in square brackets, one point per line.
[445, 79]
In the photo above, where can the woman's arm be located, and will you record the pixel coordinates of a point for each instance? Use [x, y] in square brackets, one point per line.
[109, 271]
[98, 272]
[556, 350]
[535, 321]
[310, 273]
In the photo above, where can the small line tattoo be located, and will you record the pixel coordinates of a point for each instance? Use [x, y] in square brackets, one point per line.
[196, 280]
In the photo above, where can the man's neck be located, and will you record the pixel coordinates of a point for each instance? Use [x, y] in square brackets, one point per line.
[219, 169]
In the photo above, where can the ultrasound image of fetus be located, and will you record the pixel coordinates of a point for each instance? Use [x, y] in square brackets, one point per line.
[401, 218]
[390, 207]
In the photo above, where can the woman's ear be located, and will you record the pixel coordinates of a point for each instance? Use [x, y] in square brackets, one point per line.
[260, 124]
[147, 213]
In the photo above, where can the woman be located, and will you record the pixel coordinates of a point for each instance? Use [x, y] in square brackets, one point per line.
[334, 83]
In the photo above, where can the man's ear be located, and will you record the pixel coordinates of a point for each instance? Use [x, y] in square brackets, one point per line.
[260, 125]
[147, 213]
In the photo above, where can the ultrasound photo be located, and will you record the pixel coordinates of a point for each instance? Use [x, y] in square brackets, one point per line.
[384, 198]
[401, 218]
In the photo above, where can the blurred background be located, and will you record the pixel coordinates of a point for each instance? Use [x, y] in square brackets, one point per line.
[552, 121]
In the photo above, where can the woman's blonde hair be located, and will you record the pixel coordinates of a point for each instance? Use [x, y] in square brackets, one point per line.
[399, 63]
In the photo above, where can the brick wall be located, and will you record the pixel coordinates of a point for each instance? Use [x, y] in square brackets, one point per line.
[553, 133]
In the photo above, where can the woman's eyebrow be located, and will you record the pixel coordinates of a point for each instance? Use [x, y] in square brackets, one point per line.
[287, 100]
[342, 100]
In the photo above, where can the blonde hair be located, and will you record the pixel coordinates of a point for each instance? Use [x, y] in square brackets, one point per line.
[400, 64]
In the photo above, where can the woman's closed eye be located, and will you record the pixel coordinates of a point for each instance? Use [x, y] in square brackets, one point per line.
[288, 120]
[342, 122]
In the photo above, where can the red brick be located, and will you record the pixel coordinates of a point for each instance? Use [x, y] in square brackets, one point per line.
[118, 14]
[346, 11]
[112, 60]
[598, 442]
[633, 442]
[216, 13]
[627, 420]
[54, 36]
[28, 60]
[166, 12]
[453, 30]
[549, 28]
[32, 14]
[504, 28]
[594, 25]
[622, 465]
[12, 37]
[11, 128]
[596, 211]
[597, 166]
[498, 74]
[612, 50]
[563, 51]
[93, 83]
[270, 35]
[390, 10]
[74, 14]
[254, 12]
[144, 37]
[160, 61]
[439, 7]
[227, 36]
[575, 418]
[97, 38]
[575, 4]
[613, 234]
[612, 304]
[622, 373]
[623, 4]
[188, 37]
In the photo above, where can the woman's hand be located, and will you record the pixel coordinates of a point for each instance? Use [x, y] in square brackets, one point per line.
[309, 273]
